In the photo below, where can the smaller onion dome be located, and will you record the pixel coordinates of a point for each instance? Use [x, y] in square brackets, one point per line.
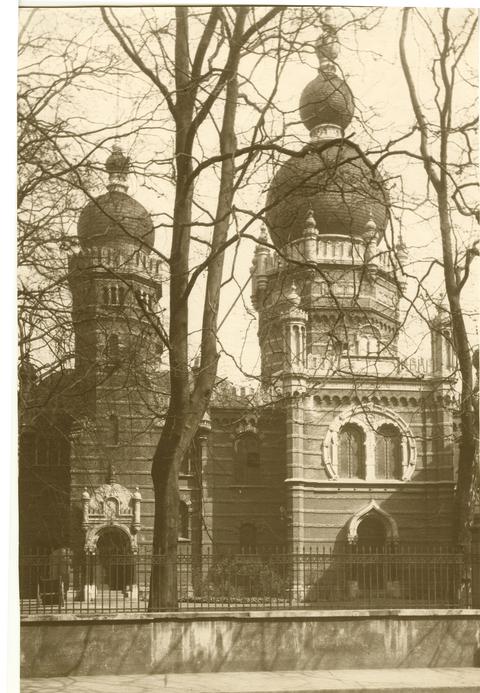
[326, 103]
[326, 100]
[115, 217]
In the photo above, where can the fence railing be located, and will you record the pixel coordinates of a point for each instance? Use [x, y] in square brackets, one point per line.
[327, 577]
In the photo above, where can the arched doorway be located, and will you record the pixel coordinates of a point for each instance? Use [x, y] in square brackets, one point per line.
[370, 549]
[114, 560]
[371, 532]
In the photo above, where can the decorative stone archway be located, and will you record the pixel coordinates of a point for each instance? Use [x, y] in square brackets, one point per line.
[373, 509]
[111, 508]
[111, 505]
[378, 578]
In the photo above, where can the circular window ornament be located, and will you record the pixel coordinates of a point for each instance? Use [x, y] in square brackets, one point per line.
[369, 418]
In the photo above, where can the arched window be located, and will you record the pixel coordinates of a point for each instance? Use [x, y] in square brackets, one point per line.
[351, 452]
[191, 459]
[114, 434]
[113, 351]
[373, 346]
[183, 521]
[362, 346]
[248, 538]
[388, 460]
[247, 457]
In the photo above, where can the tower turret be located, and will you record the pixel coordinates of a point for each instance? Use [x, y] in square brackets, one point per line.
[115, 278]
[443, 355]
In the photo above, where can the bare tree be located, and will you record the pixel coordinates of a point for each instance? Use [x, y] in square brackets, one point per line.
[451, 180]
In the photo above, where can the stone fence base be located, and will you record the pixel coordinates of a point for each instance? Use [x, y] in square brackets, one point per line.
[61, 645]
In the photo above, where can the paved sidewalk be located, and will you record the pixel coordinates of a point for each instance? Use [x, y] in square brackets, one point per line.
[329, 681]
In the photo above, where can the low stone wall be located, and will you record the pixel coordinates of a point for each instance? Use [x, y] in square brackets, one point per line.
[62, 645]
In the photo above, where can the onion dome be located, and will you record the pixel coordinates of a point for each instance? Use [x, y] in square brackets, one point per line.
[115, 217]
[326, 100]
[336, 183]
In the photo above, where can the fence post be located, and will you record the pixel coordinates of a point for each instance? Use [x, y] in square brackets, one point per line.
[475, 561]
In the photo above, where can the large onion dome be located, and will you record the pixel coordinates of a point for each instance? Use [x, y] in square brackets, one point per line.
[330, 176]
[115, 217]
[336, 183]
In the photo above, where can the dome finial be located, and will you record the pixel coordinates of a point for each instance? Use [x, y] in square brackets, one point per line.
[327, 46]
[370, 226]
[310, 224]
[292, 295]
[263, 234]
[117, 166]
[401, 249]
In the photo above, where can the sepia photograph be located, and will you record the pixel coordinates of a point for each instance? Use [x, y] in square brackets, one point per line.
[247, 310]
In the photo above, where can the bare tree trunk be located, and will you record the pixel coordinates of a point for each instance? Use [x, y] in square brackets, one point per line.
[455, 276]
[187, 409]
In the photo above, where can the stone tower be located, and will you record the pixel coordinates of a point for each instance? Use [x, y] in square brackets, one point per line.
[115, 280]
[361, 422]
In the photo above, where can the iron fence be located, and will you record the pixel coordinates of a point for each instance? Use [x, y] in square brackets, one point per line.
[326, 577]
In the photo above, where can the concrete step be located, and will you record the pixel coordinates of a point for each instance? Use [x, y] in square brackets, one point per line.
[330, 681]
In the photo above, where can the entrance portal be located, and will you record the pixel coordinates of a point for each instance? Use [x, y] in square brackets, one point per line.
[114, 560]
[371, 555]
[371, 533]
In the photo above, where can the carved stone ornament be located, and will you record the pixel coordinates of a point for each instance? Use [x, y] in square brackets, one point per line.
[369, 417]
[110, 505]
[248, 424]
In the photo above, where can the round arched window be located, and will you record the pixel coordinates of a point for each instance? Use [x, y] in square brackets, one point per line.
[247, 458]
[388, 460]
[351, 452]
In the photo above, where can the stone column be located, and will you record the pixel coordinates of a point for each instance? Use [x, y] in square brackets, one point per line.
[295, 499]
[200, 562]
[91, 576]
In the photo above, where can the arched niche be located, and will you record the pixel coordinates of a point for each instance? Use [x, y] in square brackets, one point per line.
[372, 509]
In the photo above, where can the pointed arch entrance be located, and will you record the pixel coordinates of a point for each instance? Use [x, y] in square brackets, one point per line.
[371, 532]
[377, 516]
[373, 535]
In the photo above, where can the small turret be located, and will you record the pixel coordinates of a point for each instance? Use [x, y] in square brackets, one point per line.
[443, 354]
[310, 236]
[259, 268]
[117, 166]
[371, 257]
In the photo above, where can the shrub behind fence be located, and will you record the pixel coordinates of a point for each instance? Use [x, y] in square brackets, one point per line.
[327, 577]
